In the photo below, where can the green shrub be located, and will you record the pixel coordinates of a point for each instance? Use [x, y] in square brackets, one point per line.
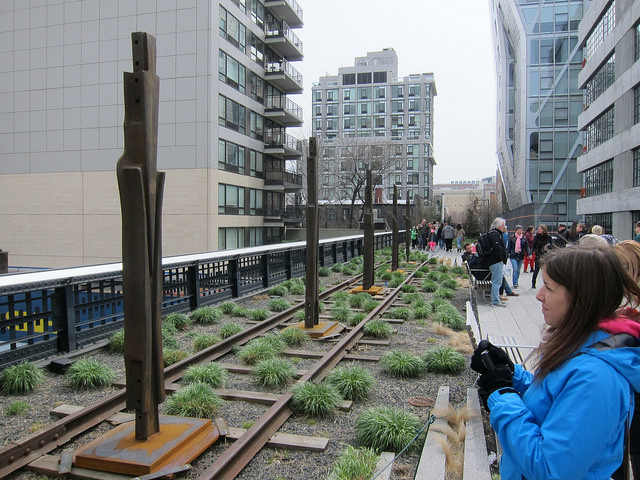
[385, 276]
[445, 293]
[399, 312]
[449, 283]
[274, 372]
[444, 360]
[179, 320]
[229, 329]
[401, 364]
[443, 268]
[278, 304]
[17, 408]
[260, 349]
[412, 298]
[348, 271]
[206, 315]
[205, 340]
[278, 291]
[457, 270]
[387, 429]
[293, 336]
[337, 267]
[89, 373]
[196, 400]
[341, 313]
[297, 289]
[228, 308]
[354, 463]
[353, 383]
[324, 272]
[116, 342]
[359, 299]
[434, 276]
[299, 316]
[356, 318]
[451, 318]
[370, 305]
[377, 329]
[437, 303]
[169, 339]
[173, 355]
[210, 373]
[421, 311]
[315, 399]
[21, 378]
[433, 261]
[418, 274]
[258, 314]
[406, 288]
[341, 297]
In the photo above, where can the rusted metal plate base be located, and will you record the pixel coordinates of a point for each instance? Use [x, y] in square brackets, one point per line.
[322, 329]
[371, 291]
[179, 441]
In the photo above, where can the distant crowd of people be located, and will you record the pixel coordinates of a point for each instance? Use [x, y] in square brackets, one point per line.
[436, 235]
[572, 416]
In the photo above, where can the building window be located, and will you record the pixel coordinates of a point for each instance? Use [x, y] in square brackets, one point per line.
[349, 79]
[230, 157]
[600, 81]
[255, 202]
[332, 109]
[317, 95]
[233, 30]
[636, 52]
[256, 126]
[229, 238]
[256, 87]
[599, 179]
[257, 13]
[605, 220]
[397, 91]
[255, 164]
[364, 93]
[231, 72]
[332, 95]
[231, 114]
[379, 92]
[636, 104]
[364, 78]
[379, 77]
[348, 108]
[230, 199]
[602, 29]
[257, 50]
[636, 167]
[349, 93]
[600, 130]
[414, 90]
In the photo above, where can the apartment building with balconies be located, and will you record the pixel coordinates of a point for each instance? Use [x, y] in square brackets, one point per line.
[368, 117]
[610, 162]
[227, 97]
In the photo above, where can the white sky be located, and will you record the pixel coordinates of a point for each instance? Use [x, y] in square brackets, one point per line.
[449, 38]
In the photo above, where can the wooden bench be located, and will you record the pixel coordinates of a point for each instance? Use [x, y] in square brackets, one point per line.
[518, 353]
[477, 285]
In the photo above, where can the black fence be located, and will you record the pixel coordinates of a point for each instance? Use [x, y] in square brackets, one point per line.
[54, 312]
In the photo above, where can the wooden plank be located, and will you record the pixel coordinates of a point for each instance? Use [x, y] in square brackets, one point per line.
[349, 356]
[287, 441]
[49, 464]
[384, 466]
[433, 461]
[62, 411]
[476, 460]
[384, 343]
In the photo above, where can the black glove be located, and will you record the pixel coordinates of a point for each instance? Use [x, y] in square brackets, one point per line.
[500, 377]
[498, 356]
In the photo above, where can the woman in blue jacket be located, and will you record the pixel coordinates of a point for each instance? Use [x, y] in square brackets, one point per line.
[568, 418]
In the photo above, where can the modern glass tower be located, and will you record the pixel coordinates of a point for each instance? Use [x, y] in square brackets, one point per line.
[538, 60]
[226, 79]
[367, 114]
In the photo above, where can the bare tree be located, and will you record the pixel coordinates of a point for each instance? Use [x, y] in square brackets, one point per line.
[479, 215]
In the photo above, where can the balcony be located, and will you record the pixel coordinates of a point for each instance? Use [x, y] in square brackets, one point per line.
[283, 76]
[280, 37]
[281, 145]
[283, 111]
[282, 181]
[288, 10]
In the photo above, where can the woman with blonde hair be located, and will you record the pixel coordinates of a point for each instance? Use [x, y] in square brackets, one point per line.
[568, 418]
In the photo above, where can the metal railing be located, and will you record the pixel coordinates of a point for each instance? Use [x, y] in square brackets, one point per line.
[283, 66]
[54, 312]
[282, 102]
[281, 29]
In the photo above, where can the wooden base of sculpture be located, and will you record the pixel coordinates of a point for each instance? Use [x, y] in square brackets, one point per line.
[373, 290]
[179, 441]
[322, 329]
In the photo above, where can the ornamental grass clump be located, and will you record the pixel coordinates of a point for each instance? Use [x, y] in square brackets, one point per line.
[228, 308]
[356, 318]
[433, 261]
[173, 355]
[205, 340]
[315, 399]
[370, 305]
[341, 313]
[403, 313]
[258, 314]
[89, 373]
[354, 463]
[293, 336]
[278, 291]
[179, 320]
[443, 268]
[412, 298]
[421, 311]
[337, 268]
[324, 271]
[18, 407]
[260, 349]
[196, 400]
[458, 270]
[418, 274]
[21, 378]
[444, 359]
[229, 329]
[402, 364]
[341, 297]
[406, 288]
[377, 329]
[116, 342]
[206, 315]
[297, 288]
[437, 303]
[274, 372]
[169, 339]
[450, 317]
[449, 283]
[433, 275]
[278, 304]
[359, 299]
[429, 286]
[445, 293]
[387, 429]
[353, 383]
[211, 373]
[385, 276]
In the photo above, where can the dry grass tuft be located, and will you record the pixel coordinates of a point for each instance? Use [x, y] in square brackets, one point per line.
[461, 342]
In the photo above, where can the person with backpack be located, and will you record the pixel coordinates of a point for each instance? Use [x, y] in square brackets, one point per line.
[447, 234]
[491, 246]
[568, 418]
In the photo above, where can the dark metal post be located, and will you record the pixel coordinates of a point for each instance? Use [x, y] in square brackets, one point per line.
[394, 231]
[311, 313]
[141, 191]
[407, 226]
[4, 262]
[367, 274]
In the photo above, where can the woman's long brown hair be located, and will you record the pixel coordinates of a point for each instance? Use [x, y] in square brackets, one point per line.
[597, 284]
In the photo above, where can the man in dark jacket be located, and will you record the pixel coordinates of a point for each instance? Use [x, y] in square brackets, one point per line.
[496, 259]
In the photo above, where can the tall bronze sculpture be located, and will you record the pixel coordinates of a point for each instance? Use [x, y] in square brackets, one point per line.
[141, 190]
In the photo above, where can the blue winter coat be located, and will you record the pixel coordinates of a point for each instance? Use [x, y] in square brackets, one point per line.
[572, 423]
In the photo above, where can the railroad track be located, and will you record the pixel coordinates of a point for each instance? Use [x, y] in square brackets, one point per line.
[232, 461]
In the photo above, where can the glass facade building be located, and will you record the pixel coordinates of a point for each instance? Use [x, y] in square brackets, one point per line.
[538, 60]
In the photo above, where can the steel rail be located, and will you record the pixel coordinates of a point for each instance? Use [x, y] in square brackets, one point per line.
[233, 460]
[28, 449]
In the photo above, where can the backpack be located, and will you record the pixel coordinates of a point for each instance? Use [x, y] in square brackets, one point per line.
[484, 246]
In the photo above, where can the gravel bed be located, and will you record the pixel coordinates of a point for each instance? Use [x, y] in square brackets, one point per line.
[411, 336]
